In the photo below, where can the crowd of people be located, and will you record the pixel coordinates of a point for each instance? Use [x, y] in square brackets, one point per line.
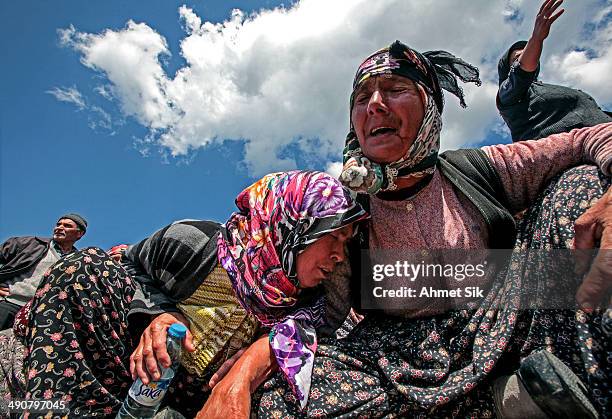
[265, 294]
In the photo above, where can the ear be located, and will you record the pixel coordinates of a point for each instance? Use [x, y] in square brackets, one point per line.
[81, 234]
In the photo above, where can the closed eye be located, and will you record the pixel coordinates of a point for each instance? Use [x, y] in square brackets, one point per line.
[362, 98]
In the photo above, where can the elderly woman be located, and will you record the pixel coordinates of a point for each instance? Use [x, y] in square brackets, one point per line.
[263, 267]
[533, 109]
[419, 363]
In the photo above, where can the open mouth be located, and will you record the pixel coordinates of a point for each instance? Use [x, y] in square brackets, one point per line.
[382, 131]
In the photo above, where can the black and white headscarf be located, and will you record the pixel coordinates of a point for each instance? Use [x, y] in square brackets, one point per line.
[431, 72]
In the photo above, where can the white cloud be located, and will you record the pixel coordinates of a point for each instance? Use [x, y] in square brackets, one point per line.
[280, 79]
[106, 91]
[68, 94]
[590, 67]
[97, 117]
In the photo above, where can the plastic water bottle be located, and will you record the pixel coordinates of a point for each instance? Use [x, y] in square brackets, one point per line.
[143, 400]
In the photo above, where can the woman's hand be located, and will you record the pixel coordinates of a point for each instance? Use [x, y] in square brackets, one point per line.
[594, 226]
[152, 347]
[231, 396]
[530, 57]
[545, 18]
[225, 368]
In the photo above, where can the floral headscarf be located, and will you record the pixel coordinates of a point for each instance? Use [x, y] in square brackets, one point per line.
[278, 217]
[432, 72]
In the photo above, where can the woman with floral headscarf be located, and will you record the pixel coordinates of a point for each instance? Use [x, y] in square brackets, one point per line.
[426, 360]
[260, 269]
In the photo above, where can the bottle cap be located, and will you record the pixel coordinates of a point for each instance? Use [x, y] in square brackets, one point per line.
[177, 330]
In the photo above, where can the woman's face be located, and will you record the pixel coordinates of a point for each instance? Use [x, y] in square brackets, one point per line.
[387, 114]
[319, 259]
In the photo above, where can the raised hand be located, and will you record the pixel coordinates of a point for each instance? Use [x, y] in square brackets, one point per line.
[545, 18]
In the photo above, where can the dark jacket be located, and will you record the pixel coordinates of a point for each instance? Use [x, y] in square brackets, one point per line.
[534, 110]
[19, 255]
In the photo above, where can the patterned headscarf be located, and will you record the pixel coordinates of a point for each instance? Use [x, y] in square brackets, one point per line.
[278, 217]
[431, 72]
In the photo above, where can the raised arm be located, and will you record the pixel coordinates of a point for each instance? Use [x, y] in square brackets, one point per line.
[523, 72]
[525, 167]
[546, 16]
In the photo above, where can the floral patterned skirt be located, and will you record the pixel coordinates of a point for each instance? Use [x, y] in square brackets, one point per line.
[77, 343]
[443, 366]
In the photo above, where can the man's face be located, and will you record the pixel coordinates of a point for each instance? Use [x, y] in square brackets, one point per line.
[319, 259]
[66, 232]
[387, 114]
[515, 54]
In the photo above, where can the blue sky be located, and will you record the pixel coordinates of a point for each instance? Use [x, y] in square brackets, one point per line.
[134, 145]
[52, 162]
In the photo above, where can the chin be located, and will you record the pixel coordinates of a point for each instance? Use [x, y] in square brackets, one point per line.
[386, 154]
[383, 160]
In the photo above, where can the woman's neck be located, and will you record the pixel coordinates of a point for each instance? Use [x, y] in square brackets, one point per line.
[407, 188]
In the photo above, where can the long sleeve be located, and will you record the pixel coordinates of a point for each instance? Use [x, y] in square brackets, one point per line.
[515, 87]
[172, 263]
[8, 250]
[525, 167]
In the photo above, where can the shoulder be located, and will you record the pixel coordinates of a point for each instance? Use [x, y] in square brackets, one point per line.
[27, 240]
[16, 245]
[191, 230]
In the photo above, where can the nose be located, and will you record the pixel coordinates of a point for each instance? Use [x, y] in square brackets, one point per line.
[377, 104]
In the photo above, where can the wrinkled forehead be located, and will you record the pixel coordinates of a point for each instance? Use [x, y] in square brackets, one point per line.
[384, 81]
[66, 222]
[381, 62]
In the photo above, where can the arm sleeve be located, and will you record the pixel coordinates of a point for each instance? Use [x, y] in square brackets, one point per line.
[8, 250]
[525, 167]
[514, 88]
[148, 298]
[175, 260]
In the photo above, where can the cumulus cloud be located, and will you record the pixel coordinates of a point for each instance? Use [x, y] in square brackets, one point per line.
[589, 64]
[279, 80]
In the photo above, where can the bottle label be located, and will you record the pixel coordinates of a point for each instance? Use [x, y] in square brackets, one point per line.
[149, 394]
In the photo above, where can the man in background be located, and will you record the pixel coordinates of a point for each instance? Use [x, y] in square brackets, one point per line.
[24, 260]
